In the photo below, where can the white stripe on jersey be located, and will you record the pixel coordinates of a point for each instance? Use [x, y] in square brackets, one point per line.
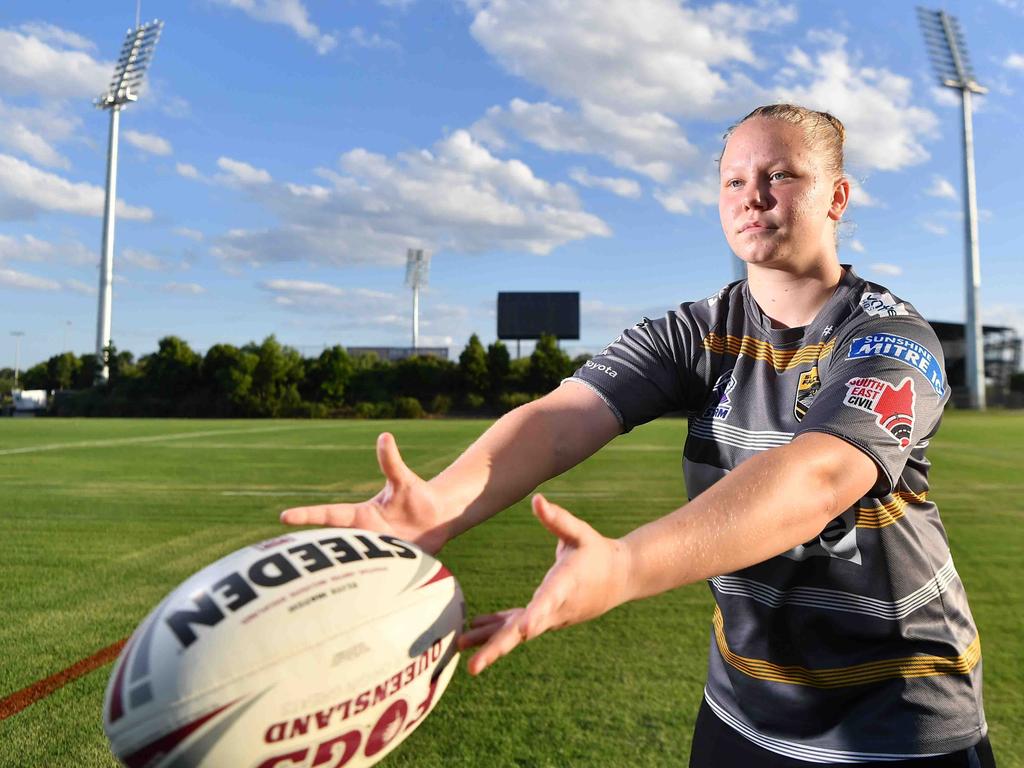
[831, 599]
[751, 439]
[802, 751]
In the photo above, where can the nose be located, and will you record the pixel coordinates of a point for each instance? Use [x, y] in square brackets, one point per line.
[754, 197]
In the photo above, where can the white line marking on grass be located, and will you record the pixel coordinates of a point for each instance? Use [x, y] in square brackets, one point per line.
[279, 493]
[148, 439]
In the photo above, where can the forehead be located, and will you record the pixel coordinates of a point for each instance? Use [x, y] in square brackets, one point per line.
[761, 140]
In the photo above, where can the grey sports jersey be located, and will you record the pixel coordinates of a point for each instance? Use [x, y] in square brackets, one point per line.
[859, 644]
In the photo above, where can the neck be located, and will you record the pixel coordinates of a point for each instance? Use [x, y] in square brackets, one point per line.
[793, 299]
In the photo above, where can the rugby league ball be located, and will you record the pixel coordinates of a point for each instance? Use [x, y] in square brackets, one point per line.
[318, 648]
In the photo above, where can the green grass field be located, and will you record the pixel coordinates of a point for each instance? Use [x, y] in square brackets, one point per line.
[99, 519]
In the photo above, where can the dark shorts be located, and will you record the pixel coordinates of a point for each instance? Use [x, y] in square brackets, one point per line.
[716, 745]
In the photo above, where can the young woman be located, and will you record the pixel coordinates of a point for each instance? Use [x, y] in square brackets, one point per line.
[841, 632]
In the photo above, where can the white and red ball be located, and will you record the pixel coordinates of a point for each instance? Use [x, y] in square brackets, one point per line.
[318, 648]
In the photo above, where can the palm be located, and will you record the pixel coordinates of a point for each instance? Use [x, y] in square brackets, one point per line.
[405, 507]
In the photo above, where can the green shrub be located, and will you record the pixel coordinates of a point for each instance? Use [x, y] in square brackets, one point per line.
[473, 401]
[408, 408]
[440, 405]
[364, 410]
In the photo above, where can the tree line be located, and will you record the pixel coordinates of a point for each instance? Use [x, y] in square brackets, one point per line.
[273, 380]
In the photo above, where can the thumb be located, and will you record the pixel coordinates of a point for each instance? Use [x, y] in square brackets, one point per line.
[390, 459]
[560, 522]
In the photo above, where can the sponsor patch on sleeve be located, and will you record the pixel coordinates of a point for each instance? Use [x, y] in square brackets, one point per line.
[882, 304]
[893, 407]
[903, 349]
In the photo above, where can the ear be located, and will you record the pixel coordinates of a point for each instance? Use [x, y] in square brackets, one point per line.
[840, 199]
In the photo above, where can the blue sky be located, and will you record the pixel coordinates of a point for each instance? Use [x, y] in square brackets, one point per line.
[285, 153]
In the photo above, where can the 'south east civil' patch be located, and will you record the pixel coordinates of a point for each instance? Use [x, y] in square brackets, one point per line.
[900, 348]
[893, 406]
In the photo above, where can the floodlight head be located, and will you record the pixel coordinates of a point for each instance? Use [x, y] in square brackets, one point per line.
[417, 267]
[947, 50]
[130, 69]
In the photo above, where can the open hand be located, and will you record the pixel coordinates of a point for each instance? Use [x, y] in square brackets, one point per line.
[587, 580]
[406, 506]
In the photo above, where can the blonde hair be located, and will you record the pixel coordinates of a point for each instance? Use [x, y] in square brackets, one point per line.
[823, 130]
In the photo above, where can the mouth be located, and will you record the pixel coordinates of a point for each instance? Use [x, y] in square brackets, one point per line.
[756, 226]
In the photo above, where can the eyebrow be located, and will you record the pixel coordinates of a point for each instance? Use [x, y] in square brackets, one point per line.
[773, 161]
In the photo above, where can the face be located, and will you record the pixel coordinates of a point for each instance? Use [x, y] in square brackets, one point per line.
[777, 201]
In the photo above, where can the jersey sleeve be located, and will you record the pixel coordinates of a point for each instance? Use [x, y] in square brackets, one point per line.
[649, 370]
[883, 391]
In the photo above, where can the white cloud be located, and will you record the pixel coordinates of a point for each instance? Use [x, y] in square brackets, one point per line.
[627, 55]
[369, 317]
[941, 188]
[148, 142]
[457, 197]
[945, 97]
[648, 143]
[188, 171]
[144, 260]
[290, 13]
[77, 286]
[30, 248]
[617, 186]
[934, 227]
[46, 32]
[184, 289]
[884, 130]
[684, 197]
[857, 246]
[364, 39]
[191, 234]
[1011, 315]
[11, 279]
[26, 190]
[859, 195]
[28, 65]
[1014, 61]
[886, 269]
[34, 131]
[240, 172]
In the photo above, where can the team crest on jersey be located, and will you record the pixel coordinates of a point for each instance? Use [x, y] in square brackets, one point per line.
[882, 304]
[721, 405]
[806, 390]
[893, 406]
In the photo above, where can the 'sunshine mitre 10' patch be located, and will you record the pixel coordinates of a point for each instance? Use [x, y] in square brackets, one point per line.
[904, 350]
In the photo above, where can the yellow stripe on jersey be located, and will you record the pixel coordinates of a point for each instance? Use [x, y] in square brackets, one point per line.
[889, 512]
[780, 359]
[858, 674]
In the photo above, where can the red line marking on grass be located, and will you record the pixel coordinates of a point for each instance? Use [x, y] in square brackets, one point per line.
[19, 700]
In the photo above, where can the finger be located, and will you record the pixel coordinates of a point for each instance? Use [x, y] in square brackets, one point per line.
[561, 522]
[500, 644]
[340, 515]
[492, 618]
[390, 460]
[474, 637]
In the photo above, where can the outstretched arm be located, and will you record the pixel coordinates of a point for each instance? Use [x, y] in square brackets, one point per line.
[766, 506]
[517, 453]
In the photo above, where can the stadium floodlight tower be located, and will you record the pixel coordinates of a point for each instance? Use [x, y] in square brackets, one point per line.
[129, 72]
[17, 354]
[417, 268]
[948, 52]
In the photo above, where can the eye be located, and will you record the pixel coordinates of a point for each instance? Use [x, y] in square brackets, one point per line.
[734, 183]
[778, 176]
